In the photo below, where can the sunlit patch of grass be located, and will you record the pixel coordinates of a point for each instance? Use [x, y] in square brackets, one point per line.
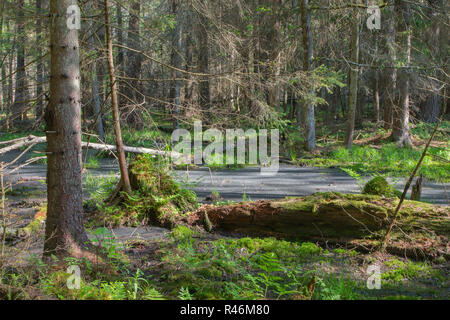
[389, 159]
[400, 271]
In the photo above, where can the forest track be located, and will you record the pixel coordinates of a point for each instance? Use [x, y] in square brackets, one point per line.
[248, 183]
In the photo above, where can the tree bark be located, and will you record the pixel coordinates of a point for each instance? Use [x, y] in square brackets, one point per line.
[176, 61]
[40, 63]
[431, 107]
[64, 232]
[400, 129]
[95, 89]
[3, 92]
[133, 90]
[308, 107]
[125, 179]
[21, 92]
[353, 95]
[389, 72]
[203, 63]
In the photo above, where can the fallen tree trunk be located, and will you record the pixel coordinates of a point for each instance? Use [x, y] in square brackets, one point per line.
[333, 217]
[19, 143]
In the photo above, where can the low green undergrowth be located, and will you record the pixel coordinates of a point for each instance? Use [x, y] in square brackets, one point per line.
[247, 268]
[190, 267]
[389, 160]
[157, 198]
[400, 271]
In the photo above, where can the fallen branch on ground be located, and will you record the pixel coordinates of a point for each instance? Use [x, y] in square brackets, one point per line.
[96, 146]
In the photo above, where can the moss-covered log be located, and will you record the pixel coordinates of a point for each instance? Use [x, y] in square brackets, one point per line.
[333, 217]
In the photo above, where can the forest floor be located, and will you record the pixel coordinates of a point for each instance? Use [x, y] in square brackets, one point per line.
[156, 263]
[184, 264]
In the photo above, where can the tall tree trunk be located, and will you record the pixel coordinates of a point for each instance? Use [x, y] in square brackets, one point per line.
[376, 96]
[125, 179]
[443, 56]
[64, 227]
[430, 108]
[376, 85]
[308, 107]
[176, 61]
[400, 130]
[40, 63]
[95, 87]
[21, 92]
[390, 72]
[188, 89]
[134, 70]
[2, 70]
[119, 31]
[203, 63]
[353, 94]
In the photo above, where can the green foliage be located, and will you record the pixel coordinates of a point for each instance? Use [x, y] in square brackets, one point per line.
[184, 294]
[157, 198]
[103, 238]
[400, 271]
[99, 188]
[92, 163]
[336, 288]
[389, 160]
[244, 268]
[128, 288]
[379, 186]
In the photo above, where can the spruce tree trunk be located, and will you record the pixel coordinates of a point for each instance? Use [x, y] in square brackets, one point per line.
[133, 91]
[176, 61]
[400, 129]
[431, 107]
[64, 227]
[95, 88]
[353, 95]
[21, 92]
[40, 63]
[203, 63]
[389, 72]
[308, 107]
[2, 72]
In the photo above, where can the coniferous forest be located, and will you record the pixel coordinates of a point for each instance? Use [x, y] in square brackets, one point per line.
[224, 150]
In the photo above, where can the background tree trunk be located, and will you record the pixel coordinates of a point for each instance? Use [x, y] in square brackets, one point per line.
[21, 92]
[133, 91]
[124, 177]
[95, 87]
[308, 107]
[203, 64]
[389, 72]
[176, 60]
[400, 129]
[40, 63]
[354, 74]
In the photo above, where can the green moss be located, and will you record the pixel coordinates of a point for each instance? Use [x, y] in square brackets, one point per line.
[157, 199]
[380, 187]
[36, 225]
[400, 270]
